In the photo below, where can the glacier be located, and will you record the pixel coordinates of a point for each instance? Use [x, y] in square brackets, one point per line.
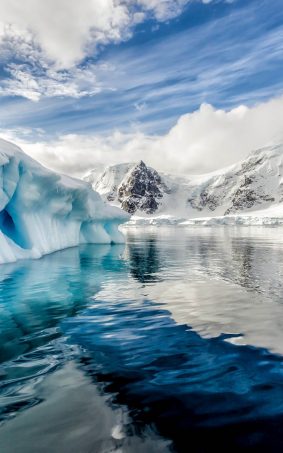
[42, 211]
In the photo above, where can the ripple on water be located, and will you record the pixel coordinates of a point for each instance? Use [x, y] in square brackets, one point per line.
[183, 331]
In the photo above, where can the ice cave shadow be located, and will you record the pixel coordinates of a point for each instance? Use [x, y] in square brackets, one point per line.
[8, 227]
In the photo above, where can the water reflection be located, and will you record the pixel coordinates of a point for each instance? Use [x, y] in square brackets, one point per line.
[144, 260]
[157, 324]
[247, 256]
[36, 295]
[221, 280]
[201, 393]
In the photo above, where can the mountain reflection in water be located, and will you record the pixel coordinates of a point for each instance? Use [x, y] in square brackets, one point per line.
[181, 329]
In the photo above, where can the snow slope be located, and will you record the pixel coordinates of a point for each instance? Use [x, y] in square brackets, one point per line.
[41, 211]
[243, 193]
[108, 182]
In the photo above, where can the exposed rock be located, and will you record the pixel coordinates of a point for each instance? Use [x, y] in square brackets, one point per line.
[142, 189]
[253, 184]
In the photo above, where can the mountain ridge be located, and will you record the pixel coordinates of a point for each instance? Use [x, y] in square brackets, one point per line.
[253, 184]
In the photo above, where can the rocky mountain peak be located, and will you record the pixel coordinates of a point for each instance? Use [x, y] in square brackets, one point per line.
[252, 184]
[141, 189]
[141, 164]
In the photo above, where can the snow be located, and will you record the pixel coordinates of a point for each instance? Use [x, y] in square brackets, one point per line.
[247, 193]
[110, 179]
[271, 216]
[41, 211]
[263, 219]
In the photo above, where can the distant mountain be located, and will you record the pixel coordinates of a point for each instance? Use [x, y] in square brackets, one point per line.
[254, 184]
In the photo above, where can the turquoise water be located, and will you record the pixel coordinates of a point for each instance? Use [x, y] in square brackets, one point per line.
[170, 343]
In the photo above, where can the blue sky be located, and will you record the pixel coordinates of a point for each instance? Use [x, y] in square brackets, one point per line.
[221, 53]
[189, 86]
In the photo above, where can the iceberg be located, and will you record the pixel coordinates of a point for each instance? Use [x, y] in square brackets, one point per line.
[42, 211]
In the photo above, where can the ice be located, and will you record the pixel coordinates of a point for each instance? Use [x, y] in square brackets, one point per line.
[41, 211]
[272, 216]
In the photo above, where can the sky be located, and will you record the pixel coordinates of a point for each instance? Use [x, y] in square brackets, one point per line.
[189, 86]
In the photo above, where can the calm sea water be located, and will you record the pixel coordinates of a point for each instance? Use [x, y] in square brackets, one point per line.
[173, 342]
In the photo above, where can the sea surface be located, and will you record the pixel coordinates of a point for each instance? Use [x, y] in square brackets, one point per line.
[173, 342]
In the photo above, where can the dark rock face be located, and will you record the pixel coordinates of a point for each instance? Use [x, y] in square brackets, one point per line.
[204, 200]
[212, 195]
[239, 191]
[247, 197]
[142, 190]
[112, 195]
[253, 184]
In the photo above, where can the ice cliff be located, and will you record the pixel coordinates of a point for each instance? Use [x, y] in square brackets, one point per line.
[41, 211]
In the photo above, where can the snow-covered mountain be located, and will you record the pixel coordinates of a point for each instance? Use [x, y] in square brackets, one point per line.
[252, 185]
[135, 187]
[41, 211]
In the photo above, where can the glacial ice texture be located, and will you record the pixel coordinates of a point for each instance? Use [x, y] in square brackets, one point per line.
[41, 211]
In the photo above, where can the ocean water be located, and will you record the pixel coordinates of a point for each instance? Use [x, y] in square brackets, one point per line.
[172, 342]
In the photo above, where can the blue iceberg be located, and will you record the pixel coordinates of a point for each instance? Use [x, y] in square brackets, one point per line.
[42, 211]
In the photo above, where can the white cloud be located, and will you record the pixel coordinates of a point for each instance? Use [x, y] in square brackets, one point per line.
[202, 141]
[32, 82]
[52, 36]
[66, 31]
[164, 9]
[63, 28]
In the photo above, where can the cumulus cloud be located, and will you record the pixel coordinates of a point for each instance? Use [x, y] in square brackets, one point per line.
[67, 32]
[202, 141]
[62, 28]
[52, 38]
